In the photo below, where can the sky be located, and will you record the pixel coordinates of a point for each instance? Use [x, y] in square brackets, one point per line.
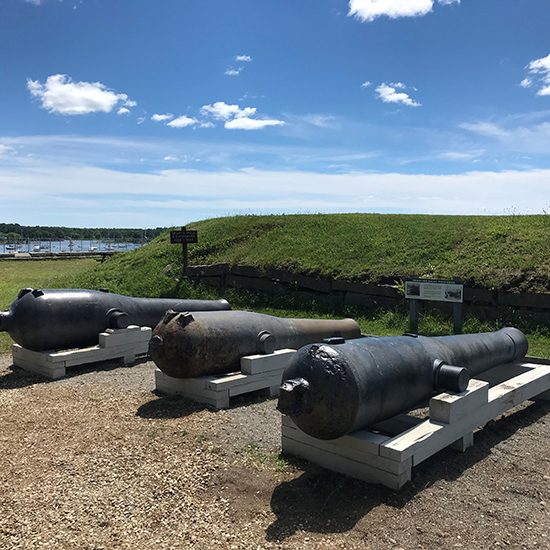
[143, 113]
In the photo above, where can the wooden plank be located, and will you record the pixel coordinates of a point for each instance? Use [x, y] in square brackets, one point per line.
[353, 447]
[257, 364]
[51, 372]
[397, 424]
[191, 388]
[518, 389]
[504, 372]
[254, 384]
[57, 356]
[236, 380]
[345, 465]
[430, 437]
[449, 407]
[132, 334]
[183, 384]
[103, 354]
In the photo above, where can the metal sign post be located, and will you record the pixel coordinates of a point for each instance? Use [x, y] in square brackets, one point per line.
[435, 290]
[184, 237]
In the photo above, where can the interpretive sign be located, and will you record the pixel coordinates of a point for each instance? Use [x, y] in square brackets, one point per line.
[184, 237]
[436, 290]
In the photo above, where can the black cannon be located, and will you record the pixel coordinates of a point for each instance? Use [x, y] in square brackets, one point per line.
[42, 320]
[337, 387]
[186, 345]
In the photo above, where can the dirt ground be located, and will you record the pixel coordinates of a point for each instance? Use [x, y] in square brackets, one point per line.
[98, 461]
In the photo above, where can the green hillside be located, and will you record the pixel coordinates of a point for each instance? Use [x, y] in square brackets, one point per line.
[501, 252]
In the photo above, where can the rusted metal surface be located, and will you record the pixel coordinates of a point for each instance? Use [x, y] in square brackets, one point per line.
[186, 345]
[334, 388]
[42, 320]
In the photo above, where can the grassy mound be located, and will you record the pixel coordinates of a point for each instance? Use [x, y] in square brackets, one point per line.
[500, 252]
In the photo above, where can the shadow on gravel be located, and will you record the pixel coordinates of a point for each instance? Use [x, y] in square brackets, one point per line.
[324, 502]
[173, 406]
[168, 406]
[20, 378]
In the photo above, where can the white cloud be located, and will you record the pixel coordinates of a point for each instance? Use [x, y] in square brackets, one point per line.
[246, 58]
[528, 138]
[182, 122]
[141, 120]
[526, 83]
[388, 94]
[234, 72]
[540, 68]
[237, 118]
[488, 129]
[368, 10]
[168, 157]
[366, 84]
[35, 2]
[322, 121]
[4, 149]
[162, 118]
[85, 196]
[223, 111]
[462, 155]
[123, 111]
[61, 95]
[245, 123]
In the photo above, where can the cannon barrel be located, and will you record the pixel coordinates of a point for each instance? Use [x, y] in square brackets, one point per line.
[42, 320]
[334, 388]
[187, 345]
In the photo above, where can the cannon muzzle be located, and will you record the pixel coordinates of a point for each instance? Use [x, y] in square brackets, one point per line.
[42, 320]
[334, 388]
[186, 345]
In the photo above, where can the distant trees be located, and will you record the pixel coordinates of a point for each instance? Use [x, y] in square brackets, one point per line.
[14, 231]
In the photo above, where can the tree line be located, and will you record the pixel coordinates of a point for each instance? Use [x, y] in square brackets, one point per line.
[14, 231]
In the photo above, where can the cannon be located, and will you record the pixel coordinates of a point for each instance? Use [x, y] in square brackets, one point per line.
[186, 345]
[336, 387]
[42, 320]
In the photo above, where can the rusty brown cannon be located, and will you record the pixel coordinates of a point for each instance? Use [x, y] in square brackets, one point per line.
[186, 345]
[50, 319]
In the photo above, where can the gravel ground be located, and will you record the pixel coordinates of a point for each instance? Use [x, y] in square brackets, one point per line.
[98, 461]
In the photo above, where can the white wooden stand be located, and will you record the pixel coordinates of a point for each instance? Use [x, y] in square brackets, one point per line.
[375, 457]
[113, 344]
[258, 372]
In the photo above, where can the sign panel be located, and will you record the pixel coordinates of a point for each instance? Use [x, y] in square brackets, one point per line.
[183, 237]
[437, 290]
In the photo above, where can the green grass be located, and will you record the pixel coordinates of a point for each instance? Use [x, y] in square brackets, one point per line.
[505, 253]
[491, 251]
[252, 449]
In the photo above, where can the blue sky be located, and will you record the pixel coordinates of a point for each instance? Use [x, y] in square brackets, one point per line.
[136, 113]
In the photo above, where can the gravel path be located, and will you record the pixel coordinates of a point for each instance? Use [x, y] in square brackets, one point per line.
[98, 461]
